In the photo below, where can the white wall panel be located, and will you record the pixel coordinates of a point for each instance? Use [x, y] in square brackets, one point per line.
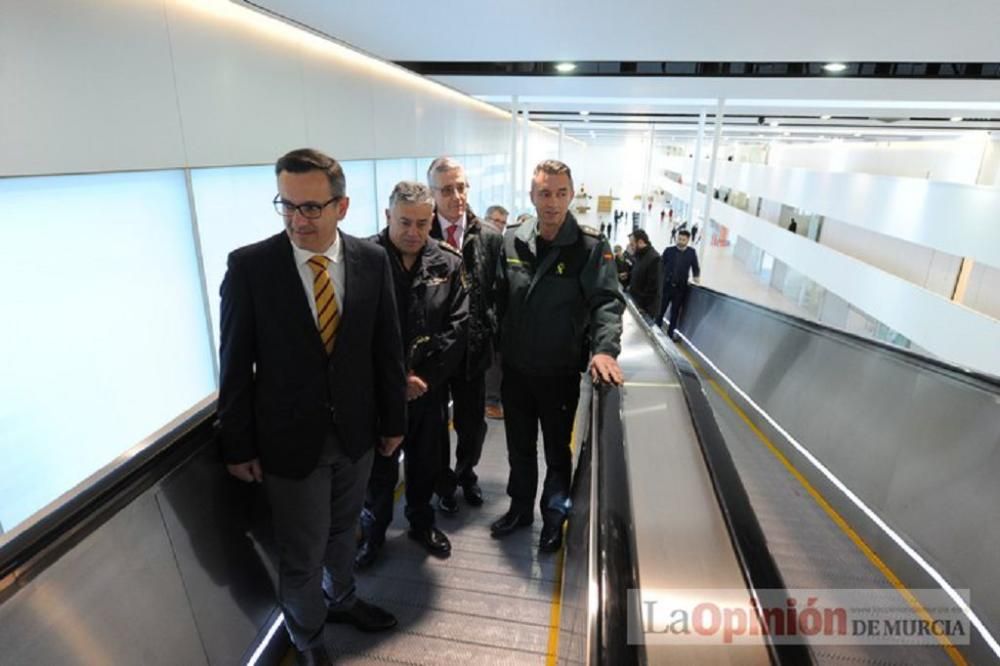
[109, 85]
[953, 332]
[950, 161]
[87, 86]
[942, 273]
[240, 91]
[396, 133]
[983, 292]
[923, 266]
[437, 125]
[338, 107]
[906, 208]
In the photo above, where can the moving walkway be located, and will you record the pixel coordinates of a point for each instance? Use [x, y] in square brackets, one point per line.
[678, 492]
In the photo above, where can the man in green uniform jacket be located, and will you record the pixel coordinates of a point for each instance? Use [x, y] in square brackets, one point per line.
[560, 308]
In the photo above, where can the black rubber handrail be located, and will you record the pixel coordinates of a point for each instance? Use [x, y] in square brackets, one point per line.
[958, 372]
[617, 555]
[65, 522]
[757, 564]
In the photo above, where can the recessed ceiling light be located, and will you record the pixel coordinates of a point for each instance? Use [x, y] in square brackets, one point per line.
[585, 113]
[586, 120]
[565, 67]
[835, 67]
[786, 133]
[825, 116]
[857, 135]
[760, 136]
[956, 119]
[593, 134]
[774, 123]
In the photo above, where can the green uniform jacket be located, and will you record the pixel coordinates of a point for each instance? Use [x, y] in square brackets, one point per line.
[556, 312]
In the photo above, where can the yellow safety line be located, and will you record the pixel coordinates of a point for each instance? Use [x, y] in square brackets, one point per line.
[552, 650]
[893, 579]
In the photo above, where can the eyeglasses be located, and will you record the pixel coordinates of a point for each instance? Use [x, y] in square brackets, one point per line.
[452, 190]
[310, 210]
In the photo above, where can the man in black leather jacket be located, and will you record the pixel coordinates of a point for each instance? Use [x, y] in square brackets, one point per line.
[433, 313]
[455, 224]
[644, 281]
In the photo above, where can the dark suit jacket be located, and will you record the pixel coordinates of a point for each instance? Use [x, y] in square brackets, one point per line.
[279, 393]
[480, 253]
[644, 281]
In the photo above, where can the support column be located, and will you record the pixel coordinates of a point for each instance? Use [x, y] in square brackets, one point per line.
[512, 161]
[525, 126]
[695, 167]
[710, 187]
[647, 183]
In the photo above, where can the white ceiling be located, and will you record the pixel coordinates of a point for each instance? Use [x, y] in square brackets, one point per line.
[682, 30]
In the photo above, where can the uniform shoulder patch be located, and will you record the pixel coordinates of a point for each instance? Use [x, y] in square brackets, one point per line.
[448, 247]
[590, 231]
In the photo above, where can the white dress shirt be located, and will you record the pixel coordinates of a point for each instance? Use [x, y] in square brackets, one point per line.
[335, 270]
[459, 235]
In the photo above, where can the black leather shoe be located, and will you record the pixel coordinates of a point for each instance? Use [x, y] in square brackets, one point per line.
[509, 522]
[433, 539]
[313, 657]
[551, 538]
[448, 504]
[367, 554]
[473, 494]
[364, 616]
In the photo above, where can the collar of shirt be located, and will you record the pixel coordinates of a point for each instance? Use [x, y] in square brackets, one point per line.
[445, 224]
[335, 252]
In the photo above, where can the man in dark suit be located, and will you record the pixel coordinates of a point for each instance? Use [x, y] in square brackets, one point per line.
[677, 263]
[455, 224]
[312, 383]
[644, 280]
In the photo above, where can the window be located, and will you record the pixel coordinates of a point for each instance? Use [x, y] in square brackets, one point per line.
[105, 338]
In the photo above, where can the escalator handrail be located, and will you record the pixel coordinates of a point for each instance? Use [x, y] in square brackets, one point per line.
[64, 515]
[991, 382]
[617, 554]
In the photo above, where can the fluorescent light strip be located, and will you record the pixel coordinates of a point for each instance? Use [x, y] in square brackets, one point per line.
[255, 657]
[711, 103]
[931, 571]
[274, 27]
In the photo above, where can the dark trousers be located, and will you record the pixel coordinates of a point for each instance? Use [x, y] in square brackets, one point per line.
[494, 376]
[421, 464]
[314, 522]
[468, 415]
[674, 297]
[551, 401]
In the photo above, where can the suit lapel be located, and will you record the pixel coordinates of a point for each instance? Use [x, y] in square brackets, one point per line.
[353, 284]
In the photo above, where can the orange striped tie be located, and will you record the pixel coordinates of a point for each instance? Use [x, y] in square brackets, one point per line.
[327, 314]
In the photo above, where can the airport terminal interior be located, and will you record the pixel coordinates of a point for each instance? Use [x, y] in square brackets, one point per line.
[805, 473]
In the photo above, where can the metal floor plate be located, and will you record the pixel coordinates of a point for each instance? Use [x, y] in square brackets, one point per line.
[489, 603]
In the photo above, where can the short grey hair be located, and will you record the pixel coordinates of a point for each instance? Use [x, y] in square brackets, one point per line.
[553, 168]
[410, 192]
[442, 165]
[497, 209]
